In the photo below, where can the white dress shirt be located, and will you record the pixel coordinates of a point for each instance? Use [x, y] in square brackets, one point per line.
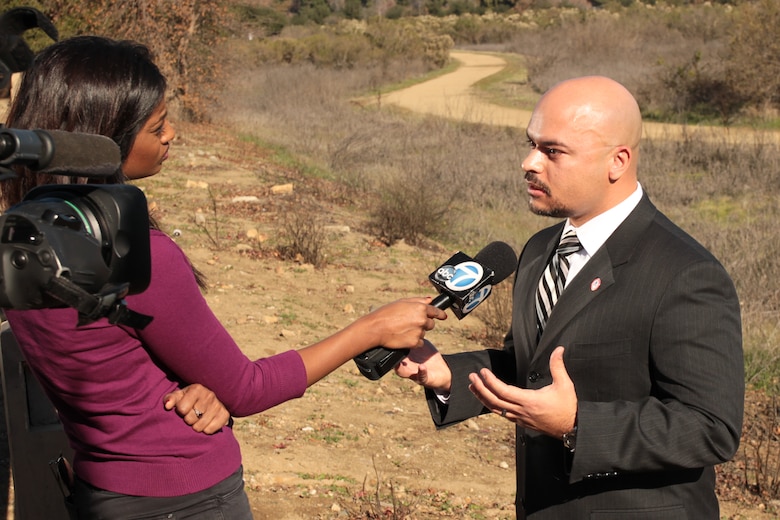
[597, 230]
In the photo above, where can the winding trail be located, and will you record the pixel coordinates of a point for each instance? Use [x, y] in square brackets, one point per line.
[451, 96]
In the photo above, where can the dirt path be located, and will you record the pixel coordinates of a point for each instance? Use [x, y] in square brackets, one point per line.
[452, 96]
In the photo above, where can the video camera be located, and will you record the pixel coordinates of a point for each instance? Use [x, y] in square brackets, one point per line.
[84, 246]
[80, 245]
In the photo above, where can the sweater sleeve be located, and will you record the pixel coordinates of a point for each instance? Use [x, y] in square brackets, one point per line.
[188, 339]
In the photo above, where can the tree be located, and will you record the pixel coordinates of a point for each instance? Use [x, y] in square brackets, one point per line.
[754, 53]
[181, 34]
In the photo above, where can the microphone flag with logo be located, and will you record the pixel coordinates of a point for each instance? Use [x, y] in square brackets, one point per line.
[463, 283]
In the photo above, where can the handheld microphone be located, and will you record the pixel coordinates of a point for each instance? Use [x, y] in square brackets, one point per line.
[60, 153]
[463, 283]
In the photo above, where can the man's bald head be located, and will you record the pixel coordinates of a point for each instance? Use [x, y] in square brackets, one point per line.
[597, 104]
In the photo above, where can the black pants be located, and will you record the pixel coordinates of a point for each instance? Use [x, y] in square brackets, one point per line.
[226, 500]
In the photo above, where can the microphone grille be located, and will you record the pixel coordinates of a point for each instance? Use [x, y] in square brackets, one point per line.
[83, 155]
[500, 257]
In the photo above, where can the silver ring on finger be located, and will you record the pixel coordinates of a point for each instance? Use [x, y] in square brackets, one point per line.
[503, 412]
[198, 413]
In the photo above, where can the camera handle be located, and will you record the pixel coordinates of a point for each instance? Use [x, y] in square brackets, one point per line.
[109, 303]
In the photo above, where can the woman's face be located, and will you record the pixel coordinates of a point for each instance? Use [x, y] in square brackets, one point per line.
[150, 147]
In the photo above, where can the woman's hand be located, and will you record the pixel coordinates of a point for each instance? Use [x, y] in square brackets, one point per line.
[199, 407]
[403, 323]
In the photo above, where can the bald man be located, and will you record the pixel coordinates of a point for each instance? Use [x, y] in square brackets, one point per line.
[631, 388]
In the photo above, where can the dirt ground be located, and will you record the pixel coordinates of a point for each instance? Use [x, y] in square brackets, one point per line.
[350, 448]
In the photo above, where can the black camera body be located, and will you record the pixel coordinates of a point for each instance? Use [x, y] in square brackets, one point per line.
[95, 236]
[84, 246]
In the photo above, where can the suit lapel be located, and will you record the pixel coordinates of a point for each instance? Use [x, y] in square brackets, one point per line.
[527, 286]
[527, 282]
[597, 276]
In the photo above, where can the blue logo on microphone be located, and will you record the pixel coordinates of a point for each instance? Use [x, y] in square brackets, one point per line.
[477, 298]
[466, 276]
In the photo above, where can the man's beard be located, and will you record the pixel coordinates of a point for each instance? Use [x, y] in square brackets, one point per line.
[556, 209]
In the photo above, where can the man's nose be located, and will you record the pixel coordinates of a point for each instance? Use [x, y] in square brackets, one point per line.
[532, 161]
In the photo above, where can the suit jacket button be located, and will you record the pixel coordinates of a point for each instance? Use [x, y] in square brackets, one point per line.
[534, 377]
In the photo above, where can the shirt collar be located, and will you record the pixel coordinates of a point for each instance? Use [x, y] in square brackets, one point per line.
[597, 230]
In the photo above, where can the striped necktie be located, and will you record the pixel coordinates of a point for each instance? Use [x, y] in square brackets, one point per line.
[554, 278]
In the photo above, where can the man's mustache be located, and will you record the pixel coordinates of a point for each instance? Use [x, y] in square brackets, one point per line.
[533, 181]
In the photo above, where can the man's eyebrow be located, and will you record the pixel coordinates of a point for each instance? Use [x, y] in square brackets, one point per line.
[549, 143]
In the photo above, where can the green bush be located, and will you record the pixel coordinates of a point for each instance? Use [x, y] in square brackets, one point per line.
[310, 11]
[351, 43]
[708, 62]
[702, 93]
[338, 51]
[270, 21]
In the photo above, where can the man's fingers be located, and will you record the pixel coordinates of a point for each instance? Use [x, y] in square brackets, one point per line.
[483, 392]
[556, 360]
[489, 380]
[558, 370]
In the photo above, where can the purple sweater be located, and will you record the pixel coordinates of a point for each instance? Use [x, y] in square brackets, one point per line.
[108, 382]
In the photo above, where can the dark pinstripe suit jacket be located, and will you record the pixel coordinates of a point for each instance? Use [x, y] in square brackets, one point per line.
[651, 327]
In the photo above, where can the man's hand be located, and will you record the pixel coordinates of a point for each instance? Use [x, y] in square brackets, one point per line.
[426, 366]
[199, 407]
[551, 410]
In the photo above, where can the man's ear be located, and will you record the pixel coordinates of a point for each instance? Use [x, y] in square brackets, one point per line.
[620, 162]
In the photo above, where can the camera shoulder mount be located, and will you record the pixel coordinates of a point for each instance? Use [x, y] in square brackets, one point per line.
[108, 303]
